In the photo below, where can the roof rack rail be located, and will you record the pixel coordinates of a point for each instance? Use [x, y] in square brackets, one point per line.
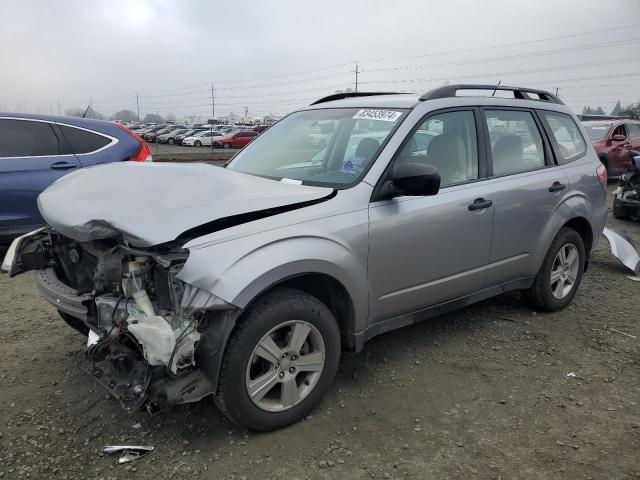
[340, 96]
[518, 92]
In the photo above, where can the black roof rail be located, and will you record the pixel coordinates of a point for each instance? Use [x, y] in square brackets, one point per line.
[521, 93]
[340, 96]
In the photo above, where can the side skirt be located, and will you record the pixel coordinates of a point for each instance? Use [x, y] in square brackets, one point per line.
[406, 319]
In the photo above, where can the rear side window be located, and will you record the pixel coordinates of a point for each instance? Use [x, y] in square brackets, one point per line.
[82, 141]
[24, 138]
[567, 140]
[634, 130]
[516, 143]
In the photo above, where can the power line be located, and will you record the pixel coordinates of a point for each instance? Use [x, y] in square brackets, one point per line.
[502, 74]
[504, 58]
[433, 54]
[505, 45]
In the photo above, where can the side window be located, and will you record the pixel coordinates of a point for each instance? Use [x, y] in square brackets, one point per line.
[448, 142]
[569, 143]
[516, 143]
[82, 141]
[23, 138]
[633, 129]
[620, 130]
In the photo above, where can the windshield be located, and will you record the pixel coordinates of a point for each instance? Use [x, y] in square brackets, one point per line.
[329, 147]
[597, 131]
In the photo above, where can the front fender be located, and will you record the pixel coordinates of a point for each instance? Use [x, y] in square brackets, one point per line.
[239, 270]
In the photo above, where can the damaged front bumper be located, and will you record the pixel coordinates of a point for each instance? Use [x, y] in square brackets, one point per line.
[146, 327]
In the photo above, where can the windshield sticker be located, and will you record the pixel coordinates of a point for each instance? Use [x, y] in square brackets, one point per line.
[351, 166]
[383, 115]
[291, 181]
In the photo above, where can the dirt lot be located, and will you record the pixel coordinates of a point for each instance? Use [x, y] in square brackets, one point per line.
[480, 393]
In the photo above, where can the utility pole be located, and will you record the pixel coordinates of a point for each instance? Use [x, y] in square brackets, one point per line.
[138, 104]
[356, 77]
[213, 104]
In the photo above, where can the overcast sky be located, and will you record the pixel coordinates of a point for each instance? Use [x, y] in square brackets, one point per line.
[276, 55]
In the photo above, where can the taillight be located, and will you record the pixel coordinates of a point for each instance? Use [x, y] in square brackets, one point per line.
[142, 154]
[602, 176]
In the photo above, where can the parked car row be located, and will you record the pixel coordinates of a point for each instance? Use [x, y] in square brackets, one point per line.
[221, 136]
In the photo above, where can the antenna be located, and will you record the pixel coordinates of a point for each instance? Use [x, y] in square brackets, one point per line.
[85, 112]
[494, 92]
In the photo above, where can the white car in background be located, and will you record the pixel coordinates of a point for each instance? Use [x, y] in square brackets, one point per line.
[201, 138]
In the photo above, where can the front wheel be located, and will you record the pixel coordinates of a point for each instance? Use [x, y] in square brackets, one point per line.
[171, 141]
[197, 143]
[226, 145]
[561, 273]
[279, 362]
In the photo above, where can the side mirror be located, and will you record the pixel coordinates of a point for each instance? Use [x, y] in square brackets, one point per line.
[416, 179]
[618, 138]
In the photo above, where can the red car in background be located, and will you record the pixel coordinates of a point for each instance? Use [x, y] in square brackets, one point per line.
[235, 139]
[613, 141]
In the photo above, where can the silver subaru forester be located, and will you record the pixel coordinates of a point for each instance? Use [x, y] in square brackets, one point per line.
[359, 214]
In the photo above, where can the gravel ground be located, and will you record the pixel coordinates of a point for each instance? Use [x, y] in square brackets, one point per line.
[479, 393]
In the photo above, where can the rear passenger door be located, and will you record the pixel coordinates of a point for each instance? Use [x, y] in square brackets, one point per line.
[33, 154]
[527, 188]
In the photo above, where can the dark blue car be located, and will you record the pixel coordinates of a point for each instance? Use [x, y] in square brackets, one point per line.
[36, 150]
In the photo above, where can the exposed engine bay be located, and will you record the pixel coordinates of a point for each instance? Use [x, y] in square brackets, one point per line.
[143, 324]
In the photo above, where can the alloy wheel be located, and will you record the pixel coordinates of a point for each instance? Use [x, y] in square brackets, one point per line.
[285, 366]
[564, 271]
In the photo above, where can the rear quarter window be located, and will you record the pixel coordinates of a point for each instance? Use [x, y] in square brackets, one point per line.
[83, 141]
[568, 143]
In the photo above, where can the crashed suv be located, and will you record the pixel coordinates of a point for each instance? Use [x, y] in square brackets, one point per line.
[357, 215]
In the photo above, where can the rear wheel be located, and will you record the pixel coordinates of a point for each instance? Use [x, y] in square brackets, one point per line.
[279, 362]
[561, 273]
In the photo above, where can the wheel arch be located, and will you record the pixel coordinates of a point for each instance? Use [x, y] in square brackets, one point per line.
[328, 290]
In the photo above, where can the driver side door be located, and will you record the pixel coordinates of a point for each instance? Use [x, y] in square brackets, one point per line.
[424, 251]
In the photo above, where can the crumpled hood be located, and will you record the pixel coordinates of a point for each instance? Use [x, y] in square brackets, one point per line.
[153, 203]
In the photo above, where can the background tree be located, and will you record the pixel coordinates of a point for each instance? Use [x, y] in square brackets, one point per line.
[593, 111]
[126, 116]
[152, 118]
[631, 111]
[79, 112]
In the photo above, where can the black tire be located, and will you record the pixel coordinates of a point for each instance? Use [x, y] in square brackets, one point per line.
[540, 293]
[171, 141]
[74, 323]
[226, 146]
[197, 143]
[618, 210]
[265, 314]
[605, 162]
